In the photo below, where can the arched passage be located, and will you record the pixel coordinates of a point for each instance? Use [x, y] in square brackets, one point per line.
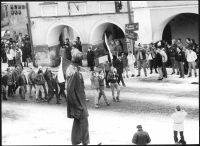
[109, 27]
[177, 27]
[54, 31]
[99, 28]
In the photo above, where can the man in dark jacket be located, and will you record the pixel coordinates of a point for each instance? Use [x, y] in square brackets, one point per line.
[78, 44]
[141, 59]
[10, 82]
[31, 80]
[172, 52]
[76, 104]
[52, 86]
[90, 58]
[118, 64]
[141, 137]
[4, 84]
[16, 73]
[40, 81]
[22, 83]
[68, 49]
[180, 57]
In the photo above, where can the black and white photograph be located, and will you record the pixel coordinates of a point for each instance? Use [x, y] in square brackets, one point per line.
[100, 72]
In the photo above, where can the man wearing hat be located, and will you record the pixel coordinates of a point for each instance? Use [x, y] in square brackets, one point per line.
[141, 137]
[179, 116]
[76, 102]
[141, 59]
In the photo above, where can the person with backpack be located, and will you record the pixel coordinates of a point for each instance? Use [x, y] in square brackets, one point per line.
[22, 83]
[101, 87]
[31, 80]
[52, 86]
[40, 81]
[113, 79]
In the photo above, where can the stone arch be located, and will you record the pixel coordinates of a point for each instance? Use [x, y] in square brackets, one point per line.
[102, 25]
[157, 35]
[55, 30]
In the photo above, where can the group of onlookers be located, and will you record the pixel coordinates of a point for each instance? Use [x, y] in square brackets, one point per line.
[16, 50]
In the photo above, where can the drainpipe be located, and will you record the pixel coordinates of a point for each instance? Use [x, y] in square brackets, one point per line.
[131, 21]
[30, 34]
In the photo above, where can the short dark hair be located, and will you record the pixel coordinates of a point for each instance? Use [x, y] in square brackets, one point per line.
[67, 39]
[78, 38]
[179, 39]
[188, 39]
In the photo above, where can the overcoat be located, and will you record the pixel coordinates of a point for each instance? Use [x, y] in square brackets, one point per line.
[90, 58]
[76, 100]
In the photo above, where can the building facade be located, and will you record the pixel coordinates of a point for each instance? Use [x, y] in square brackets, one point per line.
[14, 17]
[52, 22]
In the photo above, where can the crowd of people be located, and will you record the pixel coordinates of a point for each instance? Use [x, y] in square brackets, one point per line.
[112, 72]
[16, 50]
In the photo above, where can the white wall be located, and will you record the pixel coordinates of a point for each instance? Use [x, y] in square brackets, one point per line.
[142, 16]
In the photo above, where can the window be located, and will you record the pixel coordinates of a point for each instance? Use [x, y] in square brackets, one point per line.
[77, 8]
[49, 10]
[107, 7]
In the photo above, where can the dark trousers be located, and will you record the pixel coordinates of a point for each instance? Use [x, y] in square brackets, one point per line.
[51, 95]
[3, 88]
[106, 79]
[62, 90]
[181, 69]
[80, 132]
[186, 67]
[176, 137]
[164, 70]
[15, 88]
[23, 91]
[10, 89]
[10, 63]
[91, 68]
[120, 77]
[153, 65]
[3, 55]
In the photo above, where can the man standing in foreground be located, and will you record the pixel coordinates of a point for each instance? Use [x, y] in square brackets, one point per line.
[141, 137]
[179, 117]
[76, 103]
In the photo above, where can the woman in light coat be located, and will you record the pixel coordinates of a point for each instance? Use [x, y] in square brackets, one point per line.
[10, 55]
[178, 125]
[131, 62]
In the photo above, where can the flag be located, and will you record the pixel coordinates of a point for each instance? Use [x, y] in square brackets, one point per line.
[62, 69]
[106, 41]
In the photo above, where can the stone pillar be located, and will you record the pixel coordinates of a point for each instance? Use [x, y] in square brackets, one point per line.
[54, 55]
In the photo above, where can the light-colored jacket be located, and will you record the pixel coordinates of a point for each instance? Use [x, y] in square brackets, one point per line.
[94, 82]
[131, 59]
[191, 56]
[179, 118]
[164, 55]
[11, 54]
[20, 54]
